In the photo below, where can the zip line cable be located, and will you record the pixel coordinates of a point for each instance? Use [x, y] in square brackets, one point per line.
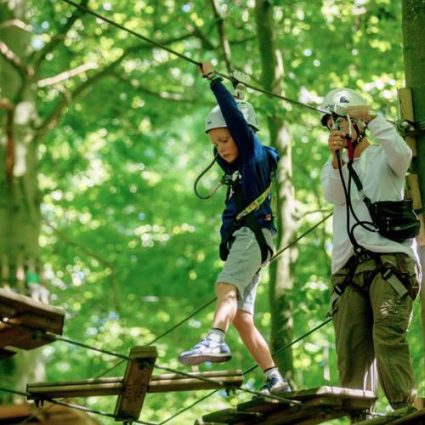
[187, 58]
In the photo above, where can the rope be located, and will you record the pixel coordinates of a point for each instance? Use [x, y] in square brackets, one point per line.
[187, 58]
[76, 407]
[54, 337]
[299, 237]
[207, 304]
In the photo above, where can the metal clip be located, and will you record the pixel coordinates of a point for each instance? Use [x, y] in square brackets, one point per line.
[239, 79]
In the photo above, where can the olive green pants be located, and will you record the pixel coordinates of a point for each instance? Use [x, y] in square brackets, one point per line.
[370, 330]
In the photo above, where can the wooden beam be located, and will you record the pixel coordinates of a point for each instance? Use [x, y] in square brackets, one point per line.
[85, 388]
[39, 322]
[6, 311]
[136, 381]
[412, 180]
[23, 304]
[115, 386]
[176, 382]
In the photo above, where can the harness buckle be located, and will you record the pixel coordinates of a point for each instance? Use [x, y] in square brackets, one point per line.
[339, 288]
[386, 273]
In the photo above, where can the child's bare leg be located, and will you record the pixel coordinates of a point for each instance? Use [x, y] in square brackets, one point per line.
[226, 307]
[257, 346]
[253, 340]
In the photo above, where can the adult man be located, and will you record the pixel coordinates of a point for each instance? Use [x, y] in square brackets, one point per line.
[375, 279]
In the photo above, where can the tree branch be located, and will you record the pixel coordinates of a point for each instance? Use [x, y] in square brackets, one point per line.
[17, 23]
[223, 39]
[61, 235]
[15, 61]
[59, 37]
[67, 75]
[52, 119]
[163, 95]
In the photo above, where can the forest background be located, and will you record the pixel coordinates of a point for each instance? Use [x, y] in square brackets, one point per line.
[111, 142]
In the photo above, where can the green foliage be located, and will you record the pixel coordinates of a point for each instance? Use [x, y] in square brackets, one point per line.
[129, 250]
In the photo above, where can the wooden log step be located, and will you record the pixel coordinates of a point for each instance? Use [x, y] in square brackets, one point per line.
[176, 382]
[84, 388]
[115, 386]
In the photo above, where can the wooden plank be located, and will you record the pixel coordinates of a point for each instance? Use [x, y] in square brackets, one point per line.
[318, 405]
[6, 311]
[21, 337]
[36, 321]
[263, 405]
[299, 415]
[334, 392]
[136, 380]
[231, 416]
[22, 304]
[176, 382]
[115, 386]
[87, 388]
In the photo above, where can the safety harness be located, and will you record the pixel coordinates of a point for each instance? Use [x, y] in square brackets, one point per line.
[245, 217]
[401, 283]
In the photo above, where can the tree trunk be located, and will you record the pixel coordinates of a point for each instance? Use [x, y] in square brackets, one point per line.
[19, 198]
[413, 23]
[280, 271]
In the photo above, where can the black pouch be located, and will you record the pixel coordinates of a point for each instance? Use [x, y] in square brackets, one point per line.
[396, 220]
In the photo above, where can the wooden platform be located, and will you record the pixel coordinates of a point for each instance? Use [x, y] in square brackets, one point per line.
[24, 321]
[136, 383]
[316, 405]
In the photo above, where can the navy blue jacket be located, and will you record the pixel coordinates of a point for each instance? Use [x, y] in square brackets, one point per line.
[255, 162]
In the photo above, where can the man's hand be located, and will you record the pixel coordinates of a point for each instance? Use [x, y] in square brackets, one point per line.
[360, 112]
[335, 141]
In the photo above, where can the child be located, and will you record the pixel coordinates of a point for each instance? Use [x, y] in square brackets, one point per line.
[246, 233]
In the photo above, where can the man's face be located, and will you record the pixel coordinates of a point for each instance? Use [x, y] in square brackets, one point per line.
[224, 143]
[342, 125]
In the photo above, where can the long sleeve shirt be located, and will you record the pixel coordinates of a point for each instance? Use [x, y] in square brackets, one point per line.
[254, 164]
[381, 168]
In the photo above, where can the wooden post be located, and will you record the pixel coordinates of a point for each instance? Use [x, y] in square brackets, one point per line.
[136, 382]
[407, 112]
[412, 180]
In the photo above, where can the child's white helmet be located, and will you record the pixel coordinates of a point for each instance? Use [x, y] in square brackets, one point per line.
[337, 100]
[215, 118]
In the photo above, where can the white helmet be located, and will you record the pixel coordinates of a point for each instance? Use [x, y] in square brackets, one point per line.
[337, 100]
[215, 118]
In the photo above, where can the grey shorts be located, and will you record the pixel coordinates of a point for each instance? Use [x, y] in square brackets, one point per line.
[242, 267]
